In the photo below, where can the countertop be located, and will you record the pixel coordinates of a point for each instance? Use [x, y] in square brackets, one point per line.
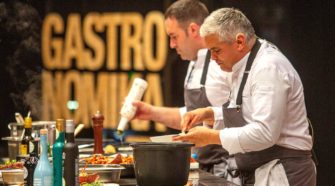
[196, 178]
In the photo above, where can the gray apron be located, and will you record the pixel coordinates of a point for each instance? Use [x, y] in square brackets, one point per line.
[209, 155]
[298, 164]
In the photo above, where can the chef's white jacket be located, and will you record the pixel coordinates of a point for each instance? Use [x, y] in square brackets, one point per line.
[272, 104]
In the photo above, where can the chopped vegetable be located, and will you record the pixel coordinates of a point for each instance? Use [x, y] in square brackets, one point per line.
[11, 165]
[101, 159]
[109, 149]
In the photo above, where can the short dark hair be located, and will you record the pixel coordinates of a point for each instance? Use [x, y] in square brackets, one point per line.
[186, 11]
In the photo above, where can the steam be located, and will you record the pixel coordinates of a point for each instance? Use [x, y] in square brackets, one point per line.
[20, 26]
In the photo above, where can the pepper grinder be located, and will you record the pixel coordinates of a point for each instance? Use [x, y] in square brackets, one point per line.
[98, 119]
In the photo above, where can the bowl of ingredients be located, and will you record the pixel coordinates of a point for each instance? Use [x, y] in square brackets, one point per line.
[13, 176]
[89, 179]
[101, 173]
[12, 173]
[108, 168]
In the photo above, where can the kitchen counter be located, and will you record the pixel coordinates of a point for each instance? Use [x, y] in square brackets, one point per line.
[196, 178]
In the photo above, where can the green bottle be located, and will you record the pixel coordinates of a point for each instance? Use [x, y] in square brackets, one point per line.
[57, 152]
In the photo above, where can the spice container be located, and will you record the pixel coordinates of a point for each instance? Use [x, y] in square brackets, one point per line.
[98, 120]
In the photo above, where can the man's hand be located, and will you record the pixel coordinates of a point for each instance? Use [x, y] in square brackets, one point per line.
[200, 136]
[144, 111]
[197, 116]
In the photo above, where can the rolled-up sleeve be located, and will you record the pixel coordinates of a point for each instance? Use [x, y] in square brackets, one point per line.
[218, 118]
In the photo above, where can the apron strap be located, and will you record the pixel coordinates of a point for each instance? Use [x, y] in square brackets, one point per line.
[251, 58]
[204, 72]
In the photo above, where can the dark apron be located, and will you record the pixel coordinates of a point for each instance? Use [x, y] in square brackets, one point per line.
[196, 98]
[298, 164]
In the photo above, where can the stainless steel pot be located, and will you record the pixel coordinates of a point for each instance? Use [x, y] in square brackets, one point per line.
[164, 164]
[17, 131]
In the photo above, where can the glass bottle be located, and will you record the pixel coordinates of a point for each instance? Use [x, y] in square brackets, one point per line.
[57, 152]
[29, 149]
[43, 175]
[71, 156]
[27, 142]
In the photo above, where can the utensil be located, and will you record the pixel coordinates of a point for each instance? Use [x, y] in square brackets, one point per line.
[85, 145]
[78, 129]
[18, 117]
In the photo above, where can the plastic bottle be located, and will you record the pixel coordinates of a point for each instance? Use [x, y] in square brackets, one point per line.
[57, 152]
[71, 156]
[128, 110]
[43, 174]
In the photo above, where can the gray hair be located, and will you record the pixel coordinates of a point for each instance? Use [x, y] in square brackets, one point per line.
[226, 23]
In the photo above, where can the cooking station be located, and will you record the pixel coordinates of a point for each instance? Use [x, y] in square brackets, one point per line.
[196, 178]
[160, 162]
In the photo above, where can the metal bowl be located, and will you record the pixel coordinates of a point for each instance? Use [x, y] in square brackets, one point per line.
[13, 176]
[107, 173]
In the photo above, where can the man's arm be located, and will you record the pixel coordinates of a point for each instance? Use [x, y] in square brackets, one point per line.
[168, 116]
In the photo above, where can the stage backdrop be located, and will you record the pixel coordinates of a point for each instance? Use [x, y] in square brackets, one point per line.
[70, 58]
[91, 52]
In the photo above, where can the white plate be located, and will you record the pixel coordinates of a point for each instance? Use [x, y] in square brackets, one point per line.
[164, 138]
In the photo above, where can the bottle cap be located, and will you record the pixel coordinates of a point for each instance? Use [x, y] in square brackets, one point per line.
[122, 124]
[60, 125]
[194, 155]
[69, 126]
[98, 118]
[44, 131]
[141, 82]
[27, 122]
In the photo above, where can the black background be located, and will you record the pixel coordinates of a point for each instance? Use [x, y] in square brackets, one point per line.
[302, 29]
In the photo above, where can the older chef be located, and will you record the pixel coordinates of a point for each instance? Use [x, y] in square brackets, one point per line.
[266, 127]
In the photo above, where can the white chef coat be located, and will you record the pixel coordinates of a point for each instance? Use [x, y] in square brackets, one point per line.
[217, 89]
[272, 104]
